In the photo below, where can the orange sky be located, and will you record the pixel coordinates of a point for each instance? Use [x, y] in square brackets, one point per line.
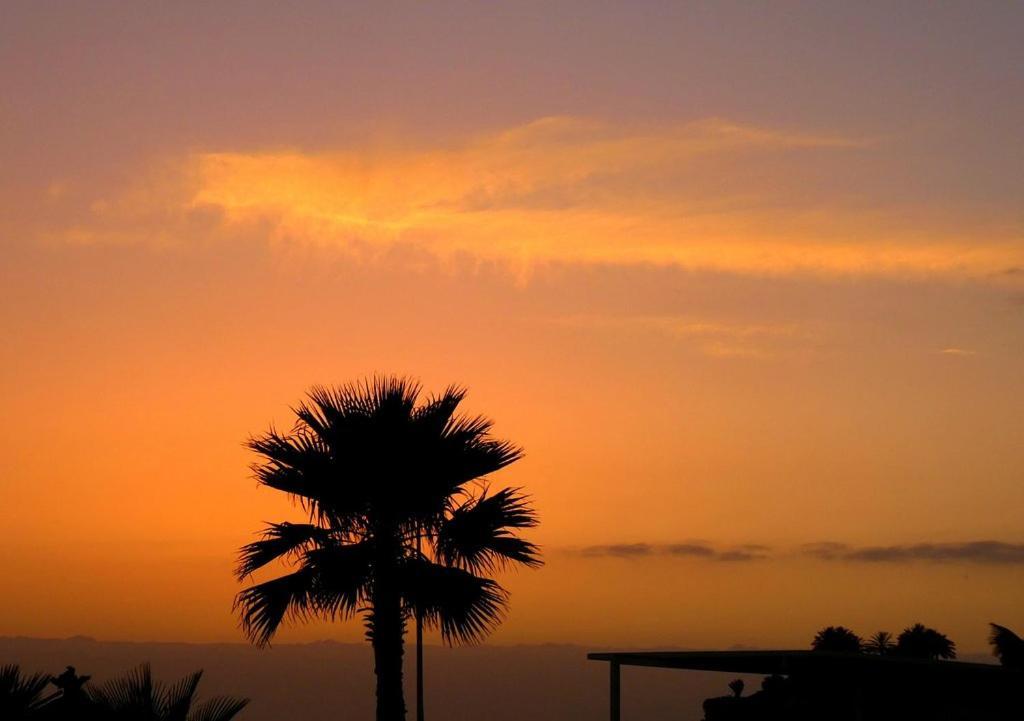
[739, 292]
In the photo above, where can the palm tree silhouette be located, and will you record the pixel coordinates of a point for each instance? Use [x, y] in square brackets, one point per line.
[20, 695]
[880, 644]
[837, 639]
[399, 522]
[1007, 646]
[919, 641]
[137, 697]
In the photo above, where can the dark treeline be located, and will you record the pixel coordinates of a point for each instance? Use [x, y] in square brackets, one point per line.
[885, 677]
[918, 641]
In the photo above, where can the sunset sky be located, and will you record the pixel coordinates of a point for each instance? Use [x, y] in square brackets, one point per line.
[745, 280]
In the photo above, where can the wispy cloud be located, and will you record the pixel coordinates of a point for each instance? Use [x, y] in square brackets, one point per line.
[986, 552]
[961, 352]
[569, 190]
[748, 552]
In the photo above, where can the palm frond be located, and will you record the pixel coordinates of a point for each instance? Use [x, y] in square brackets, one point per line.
[264, 606]
[178, 698]
[478, 458]
[463, 453]
[20, 693]
[376, 396]
[329, 582]
[342, 574]
[332, 413]
[135, 695]
[468, 429]
[477, 535]
[391, 396]
[1007, 646]
[219, 708]
[881, 643]
[436, 414]
[302, 465]
[279, 540]
[466, 607]
[298, 463]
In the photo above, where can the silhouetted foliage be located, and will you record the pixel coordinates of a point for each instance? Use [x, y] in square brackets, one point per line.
[881, 644]
[1007, 646]
[135, 697]
[837, 639]
[767, 704]
[377, 470]
[20, 695]
[919, 641]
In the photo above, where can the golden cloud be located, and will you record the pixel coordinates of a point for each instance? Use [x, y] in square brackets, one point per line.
[709, 195]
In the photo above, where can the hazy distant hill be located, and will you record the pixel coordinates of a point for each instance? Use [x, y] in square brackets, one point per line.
[333, 681]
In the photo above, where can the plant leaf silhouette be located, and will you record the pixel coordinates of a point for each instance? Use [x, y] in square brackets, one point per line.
[20, 694]
[218, 708]
[478, 534]
[880, 644]
[465, 606]
[137, 697]
[279, 539]
[178, 697]
[1007, 646]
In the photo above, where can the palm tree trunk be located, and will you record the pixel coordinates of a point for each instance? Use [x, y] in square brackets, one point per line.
[419, 644]
[387, 625]
[388, 628]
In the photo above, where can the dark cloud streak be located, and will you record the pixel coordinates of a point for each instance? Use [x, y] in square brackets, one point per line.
[986, 552]
[620, 550]
[749, 552]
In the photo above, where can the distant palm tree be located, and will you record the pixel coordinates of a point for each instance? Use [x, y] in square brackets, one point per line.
[382, 474]
[1007, 646]
[880, 644]
[837, 639]
[136, 697]
[919, 641]
[20, 695]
